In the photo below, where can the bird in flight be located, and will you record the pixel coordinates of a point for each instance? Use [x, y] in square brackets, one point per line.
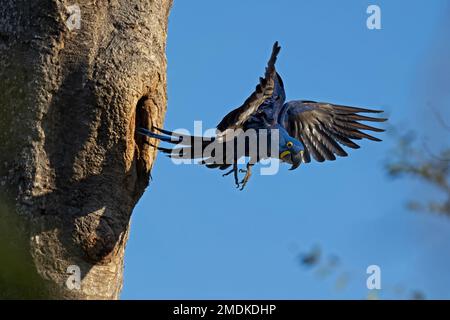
[293, 131]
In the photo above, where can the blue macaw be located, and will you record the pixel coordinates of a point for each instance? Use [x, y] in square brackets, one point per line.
[304, 128]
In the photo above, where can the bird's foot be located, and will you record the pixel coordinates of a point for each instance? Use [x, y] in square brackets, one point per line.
[235, 171]
[228, 173]
[248, 174]
[236, 177]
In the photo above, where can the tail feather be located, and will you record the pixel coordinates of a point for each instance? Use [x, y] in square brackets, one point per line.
[150, 134]
[192, 147]
[184, 139]
[188, 143]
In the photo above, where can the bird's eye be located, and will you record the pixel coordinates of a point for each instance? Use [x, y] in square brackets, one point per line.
[289, 144]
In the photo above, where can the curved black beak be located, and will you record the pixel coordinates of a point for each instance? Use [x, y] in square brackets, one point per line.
[296, 160]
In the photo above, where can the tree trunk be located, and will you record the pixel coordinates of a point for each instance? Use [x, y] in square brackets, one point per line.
[76, 79]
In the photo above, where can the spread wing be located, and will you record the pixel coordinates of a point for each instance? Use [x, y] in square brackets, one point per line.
[322, 127]
[264, 90]
[269, 110]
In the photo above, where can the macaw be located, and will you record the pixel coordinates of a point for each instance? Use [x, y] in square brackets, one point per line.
[303, 129]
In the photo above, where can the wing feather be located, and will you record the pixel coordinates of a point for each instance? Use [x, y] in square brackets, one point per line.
[324, 127]
[263, 91]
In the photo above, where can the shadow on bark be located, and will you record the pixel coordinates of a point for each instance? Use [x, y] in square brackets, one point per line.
[92, 230]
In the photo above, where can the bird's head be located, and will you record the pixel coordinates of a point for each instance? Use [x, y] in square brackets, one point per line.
[290, 150]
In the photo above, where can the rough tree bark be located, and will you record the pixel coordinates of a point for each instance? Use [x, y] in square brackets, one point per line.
[71, 166]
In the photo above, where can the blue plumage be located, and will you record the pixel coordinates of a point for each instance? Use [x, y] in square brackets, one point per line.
[297, 130]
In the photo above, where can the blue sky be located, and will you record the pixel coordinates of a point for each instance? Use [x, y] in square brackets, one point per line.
[194, 236]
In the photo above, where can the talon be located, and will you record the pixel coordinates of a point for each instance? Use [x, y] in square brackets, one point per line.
[248, 174]
[236, 178]
[244, 183]
[228, 173]
[235, 171]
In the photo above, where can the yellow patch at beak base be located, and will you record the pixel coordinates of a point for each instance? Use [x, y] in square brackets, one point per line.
[284, 154]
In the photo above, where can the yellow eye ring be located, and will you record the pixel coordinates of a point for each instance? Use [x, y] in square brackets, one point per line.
[289, 144]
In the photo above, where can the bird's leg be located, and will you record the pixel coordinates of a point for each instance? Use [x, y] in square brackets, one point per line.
[235, 170]
[228, 173]
[236, 177]
[248, 174]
